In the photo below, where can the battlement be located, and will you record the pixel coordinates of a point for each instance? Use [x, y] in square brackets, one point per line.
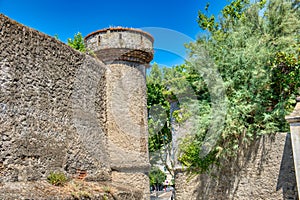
[121, 44]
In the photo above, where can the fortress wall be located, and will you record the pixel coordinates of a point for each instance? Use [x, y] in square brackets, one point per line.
[126, 118]
[127, 53]
[61, 110]
[263, 171]
[127, 126]
[52, 107]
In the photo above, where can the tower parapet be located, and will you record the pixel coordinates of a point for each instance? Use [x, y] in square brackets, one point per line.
[121, 44]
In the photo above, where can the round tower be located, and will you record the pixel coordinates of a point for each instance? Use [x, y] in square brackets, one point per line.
[126, 53]
[121, 44]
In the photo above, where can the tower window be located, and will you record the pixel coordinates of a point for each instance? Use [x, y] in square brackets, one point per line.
[98, 40]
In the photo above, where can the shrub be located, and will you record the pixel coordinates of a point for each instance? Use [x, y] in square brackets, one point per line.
[57, 178]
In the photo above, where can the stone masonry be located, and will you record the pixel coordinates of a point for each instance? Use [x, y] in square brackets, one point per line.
[265, 170]
[85, 116]
[127, 53]
[65, 111]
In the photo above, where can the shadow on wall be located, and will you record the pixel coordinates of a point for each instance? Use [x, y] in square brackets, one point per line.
[287, 179]
[259, 172]
[224, 182]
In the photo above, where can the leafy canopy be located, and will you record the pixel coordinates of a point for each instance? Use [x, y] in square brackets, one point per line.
[156, 176]
[77, 42]
[254, 47]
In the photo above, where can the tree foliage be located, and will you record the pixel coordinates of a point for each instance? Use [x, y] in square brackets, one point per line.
[77, 42]
[254, 47]
[156, 177]
[158, 111]
[165, 87]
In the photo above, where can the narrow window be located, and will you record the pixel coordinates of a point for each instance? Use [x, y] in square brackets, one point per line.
[120, 36]
[98, 40]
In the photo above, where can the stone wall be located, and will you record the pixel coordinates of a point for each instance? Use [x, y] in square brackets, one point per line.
[118, 38]
[121, 44]
[263, 171]
[127, 53]
[52, 107]
[60, 110]
[134, 180]
[127, 127]
[64, 111]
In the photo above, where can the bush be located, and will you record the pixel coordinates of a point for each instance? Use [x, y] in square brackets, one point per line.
[57, 178]
[77, 42]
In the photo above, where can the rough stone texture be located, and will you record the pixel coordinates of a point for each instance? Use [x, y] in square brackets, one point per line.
[294, 120]
[127, 53]
[47, 123]
[61, 110]
[75, 189]
[133, 180]
[127, 127]
[114, 44]
[263, 171]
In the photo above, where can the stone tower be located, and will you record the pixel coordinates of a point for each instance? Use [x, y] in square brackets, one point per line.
[126, 53]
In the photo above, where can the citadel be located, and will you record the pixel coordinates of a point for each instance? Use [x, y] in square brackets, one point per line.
[85, 116]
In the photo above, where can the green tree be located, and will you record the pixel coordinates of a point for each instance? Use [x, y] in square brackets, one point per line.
[255, 49]
[158, 110]
[156, 177]
[77, 42]
[165, 86]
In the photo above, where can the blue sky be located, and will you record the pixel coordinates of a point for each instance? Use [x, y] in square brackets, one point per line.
[172, 22]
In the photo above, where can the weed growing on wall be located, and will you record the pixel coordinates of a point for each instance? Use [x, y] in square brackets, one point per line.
[57, 178]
